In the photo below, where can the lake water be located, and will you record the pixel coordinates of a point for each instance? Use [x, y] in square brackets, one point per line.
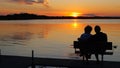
[53, 38]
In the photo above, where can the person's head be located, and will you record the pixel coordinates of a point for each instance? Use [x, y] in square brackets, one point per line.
[97, 29]
[88, 29]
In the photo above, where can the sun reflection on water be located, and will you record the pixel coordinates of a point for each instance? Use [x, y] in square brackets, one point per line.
[75, 25]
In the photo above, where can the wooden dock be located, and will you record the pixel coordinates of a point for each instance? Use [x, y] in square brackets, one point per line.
[25, 62]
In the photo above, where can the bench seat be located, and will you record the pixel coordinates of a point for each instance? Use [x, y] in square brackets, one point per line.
[106, 46]
[105, 53]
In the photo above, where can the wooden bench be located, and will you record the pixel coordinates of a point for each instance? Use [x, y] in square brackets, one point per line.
[107, 46]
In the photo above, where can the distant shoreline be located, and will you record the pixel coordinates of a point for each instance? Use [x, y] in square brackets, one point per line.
[26, 16]
[59, 18]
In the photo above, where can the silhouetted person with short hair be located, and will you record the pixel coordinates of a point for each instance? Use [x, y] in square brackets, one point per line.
[99, 37]
[84, 38]
[86, 35]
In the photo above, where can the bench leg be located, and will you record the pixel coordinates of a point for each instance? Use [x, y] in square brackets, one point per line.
[0, 55]
[102, 58]
[75, 49]
[83, 57]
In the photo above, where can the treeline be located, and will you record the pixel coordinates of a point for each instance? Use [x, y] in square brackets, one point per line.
[22, 16]
[26, 16]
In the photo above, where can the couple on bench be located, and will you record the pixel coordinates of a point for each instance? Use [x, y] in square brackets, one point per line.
[90, 42]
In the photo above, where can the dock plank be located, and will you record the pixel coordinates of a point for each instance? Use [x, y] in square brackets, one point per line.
[24, 62]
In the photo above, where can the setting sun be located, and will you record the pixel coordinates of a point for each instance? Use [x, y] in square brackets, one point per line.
[75, 14]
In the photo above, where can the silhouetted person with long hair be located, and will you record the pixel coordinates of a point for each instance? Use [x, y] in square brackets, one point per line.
[99, 37]
[84, 38]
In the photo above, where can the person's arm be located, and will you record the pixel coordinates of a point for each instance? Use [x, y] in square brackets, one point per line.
[106, 39]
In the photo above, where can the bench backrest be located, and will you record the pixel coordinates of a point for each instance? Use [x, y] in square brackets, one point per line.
[107, 45]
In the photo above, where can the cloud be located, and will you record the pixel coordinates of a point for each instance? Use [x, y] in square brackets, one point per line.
[30, 2]
[89, 15]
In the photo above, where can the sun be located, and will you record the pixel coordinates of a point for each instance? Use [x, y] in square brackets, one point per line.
[75, 14]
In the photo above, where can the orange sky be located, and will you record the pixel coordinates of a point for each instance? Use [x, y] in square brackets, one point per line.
[61, 7]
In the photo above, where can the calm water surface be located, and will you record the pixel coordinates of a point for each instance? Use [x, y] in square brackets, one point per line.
[53, 38]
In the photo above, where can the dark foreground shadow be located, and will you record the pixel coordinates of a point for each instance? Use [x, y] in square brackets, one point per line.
[25, 62]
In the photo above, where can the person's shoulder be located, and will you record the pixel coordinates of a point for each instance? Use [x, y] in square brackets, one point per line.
[103, 33]
[83, 34]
